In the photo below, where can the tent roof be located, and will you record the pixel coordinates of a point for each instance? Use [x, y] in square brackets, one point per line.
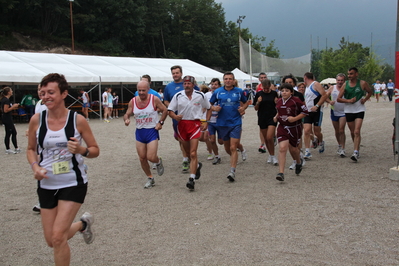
[240, 75]
[30, 68]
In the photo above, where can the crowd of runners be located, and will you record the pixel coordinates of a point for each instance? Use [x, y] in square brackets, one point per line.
[289, 114]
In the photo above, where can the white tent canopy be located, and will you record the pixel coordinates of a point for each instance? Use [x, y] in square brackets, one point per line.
[243, 78]
[29, 68]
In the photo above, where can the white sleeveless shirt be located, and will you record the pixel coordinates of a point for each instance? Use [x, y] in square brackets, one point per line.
[52, 148]
[338, 108]
[146, 117]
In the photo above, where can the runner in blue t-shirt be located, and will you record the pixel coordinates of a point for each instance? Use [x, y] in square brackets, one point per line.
[226, 100]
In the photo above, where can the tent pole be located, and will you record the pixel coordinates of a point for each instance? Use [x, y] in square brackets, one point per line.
[100, 100]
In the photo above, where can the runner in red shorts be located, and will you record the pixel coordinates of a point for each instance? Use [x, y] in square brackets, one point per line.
[189, 105]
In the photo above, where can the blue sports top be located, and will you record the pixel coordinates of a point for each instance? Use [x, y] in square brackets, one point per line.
[230, 102]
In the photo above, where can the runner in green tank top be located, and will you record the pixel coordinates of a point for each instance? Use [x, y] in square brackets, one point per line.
[353, 95]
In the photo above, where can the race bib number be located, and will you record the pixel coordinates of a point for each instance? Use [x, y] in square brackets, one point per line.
[60, 168]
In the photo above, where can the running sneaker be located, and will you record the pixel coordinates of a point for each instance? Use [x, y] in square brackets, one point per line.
[186, 167]
[36, 208]
[262, 148]
[355, 156]
[244, 155]
[210, 157]
[198, 173]
[292, 166]
[190, 184]
[17, 150]
[302, 158]
[154, 166]
[342, 154]
[106, 121]
[88, 235]
[280, 177]
[9, 151]
[321, 149]
[216, 160]
[159, 167]
[275, 161]
[231, 177]
[339, 149]
[298, 169]
[269, 159]
[150, 183]
[307, 155]
[315, 143]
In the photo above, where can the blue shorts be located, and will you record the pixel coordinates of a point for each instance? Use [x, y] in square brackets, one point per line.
[85, 105]
[174, 124]
[226, 133]
[146, 135]
[335, 118]
[212, 128]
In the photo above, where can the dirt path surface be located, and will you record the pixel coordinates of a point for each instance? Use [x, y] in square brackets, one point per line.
[335, 213]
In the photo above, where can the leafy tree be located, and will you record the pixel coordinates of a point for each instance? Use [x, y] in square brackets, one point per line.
[388, 73]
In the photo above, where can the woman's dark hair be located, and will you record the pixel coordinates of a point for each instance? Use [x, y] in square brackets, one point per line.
[55, 77]
[289, 76]
[4, 92]
[286, 86]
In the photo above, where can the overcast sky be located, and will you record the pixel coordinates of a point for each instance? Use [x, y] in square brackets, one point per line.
[292, 23]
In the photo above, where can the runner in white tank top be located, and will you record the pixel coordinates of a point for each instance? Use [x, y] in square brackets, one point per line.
[337, 115]
[145, 108]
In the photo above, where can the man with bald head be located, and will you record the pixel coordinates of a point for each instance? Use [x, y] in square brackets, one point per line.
[145, 108]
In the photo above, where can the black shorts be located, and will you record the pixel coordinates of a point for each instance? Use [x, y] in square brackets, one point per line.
[314, 118]
[49, 198]
[350, 117]
[265, 123]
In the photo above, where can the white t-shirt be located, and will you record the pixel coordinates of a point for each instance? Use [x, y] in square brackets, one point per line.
[40, 107]
[377, 87]
[190, 109]
[105, 98]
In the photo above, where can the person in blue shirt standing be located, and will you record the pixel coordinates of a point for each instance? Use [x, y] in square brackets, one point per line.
[226, 100]
[391, 87]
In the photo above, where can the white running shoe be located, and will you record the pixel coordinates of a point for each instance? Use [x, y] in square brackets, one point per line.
[302, 158]
[160, 168]
[9, 151]
[355, 156]
[210, 157]
[269, 159]
[308, 155]
[339, 149]
[154, 166]
[150, 183]
[244, 155]
[292, 166]
[275, 161]
[88, 235]
[17, 150]
[343, 155]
